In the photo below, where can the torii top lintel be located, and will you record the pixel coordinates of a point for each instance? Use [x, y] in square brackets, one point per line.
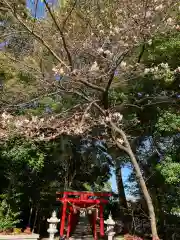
[84, 197]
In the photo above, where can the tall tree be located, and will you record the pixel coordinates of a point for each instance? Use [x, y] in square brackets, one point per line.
[88, 50]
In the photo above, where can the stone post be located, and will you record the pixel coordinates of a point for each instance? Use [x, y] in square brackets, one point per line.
[53, 221]
[110, 227]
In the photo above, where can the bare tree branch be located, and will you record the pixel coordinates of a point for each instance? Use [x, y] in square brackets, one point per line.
[141, 52]
[170, 101]
[69, 14]
[91, 85]
[111, 77]
[85, 112]
[61, 34]
[37, 36]
[15, 106]
[26, 65]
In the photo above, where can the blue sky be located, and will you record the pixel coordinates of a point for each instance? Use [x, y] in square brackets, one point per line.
[40, 13]
[37, 7]
[31, 5]
[126, 171]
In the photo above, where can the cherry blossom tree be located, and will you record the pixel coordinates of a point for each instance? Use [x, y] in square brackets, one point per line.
[90, 49]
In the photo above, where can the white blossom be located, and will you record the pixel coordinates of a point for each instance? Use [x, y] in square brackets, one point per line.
[75, 71]
[135, 38]
[78, 130]
[87, 115]
[55, 70]
[120, 140]
[169, 21]
[116, 29]
[108, 119]
[147, 70]
[177, 27]
[121, 42]
[123, 64]
[148, 14]
[94, 67]
[26, 120]
[164, 65]
[135, 16]
[111, 33]
[41, 137]
[34, 118]
[100, 25]
[177, 70]
[118, 116]
[100, 50]
[108, 53]
[61, 71]
[159, 7]
[6, 116]
[150, 42]
[18, 123]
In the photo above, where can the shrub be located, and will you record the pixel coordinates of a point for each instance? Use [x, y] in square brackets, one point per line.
[8, 219]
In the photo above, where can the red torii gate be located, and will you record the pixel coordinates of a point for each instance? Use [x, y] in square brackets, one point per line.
[74, 201]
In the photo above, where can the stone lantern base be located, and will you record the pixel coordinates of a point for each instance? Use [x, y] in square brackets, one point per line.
[20, 237]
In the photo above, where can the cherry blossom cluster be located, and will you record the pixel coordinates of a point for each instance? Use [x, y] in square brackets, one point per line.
[161, 71]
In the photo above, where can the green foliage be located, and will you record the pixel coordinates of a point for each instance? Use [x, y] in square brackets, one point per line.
[8, 218]
[38, 170]
[104, 187]
[117, 96]
[168, 122]
[21, 152]
[164, 49]
[25, 77]
[170, 170]
[17, 230]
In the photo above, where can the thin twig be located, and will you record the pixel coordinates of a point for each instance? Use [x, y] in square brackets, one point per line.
[111, 77]
[37, 36]
[85, 112]
[69, 14]
[91, 85]
[22, 62]
[32, 100]
[62, 35]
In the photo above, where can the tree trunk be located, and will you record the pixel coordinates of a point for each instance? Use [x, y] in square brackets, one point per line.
[127, 148]
[120, 187]
[35, 219]
[146, 194]
[30, 216]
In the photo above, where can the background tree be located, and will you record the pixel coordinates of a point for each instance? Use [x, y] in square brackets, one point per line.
[27, 178]
[89, 64]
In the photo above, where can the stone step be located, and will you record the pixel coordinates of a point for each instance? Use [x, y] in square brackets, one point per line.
[83, 230]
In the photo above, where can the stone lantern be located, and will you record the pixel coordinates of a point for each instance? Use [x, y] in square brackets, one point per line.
[110, 227]
[53, 221]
